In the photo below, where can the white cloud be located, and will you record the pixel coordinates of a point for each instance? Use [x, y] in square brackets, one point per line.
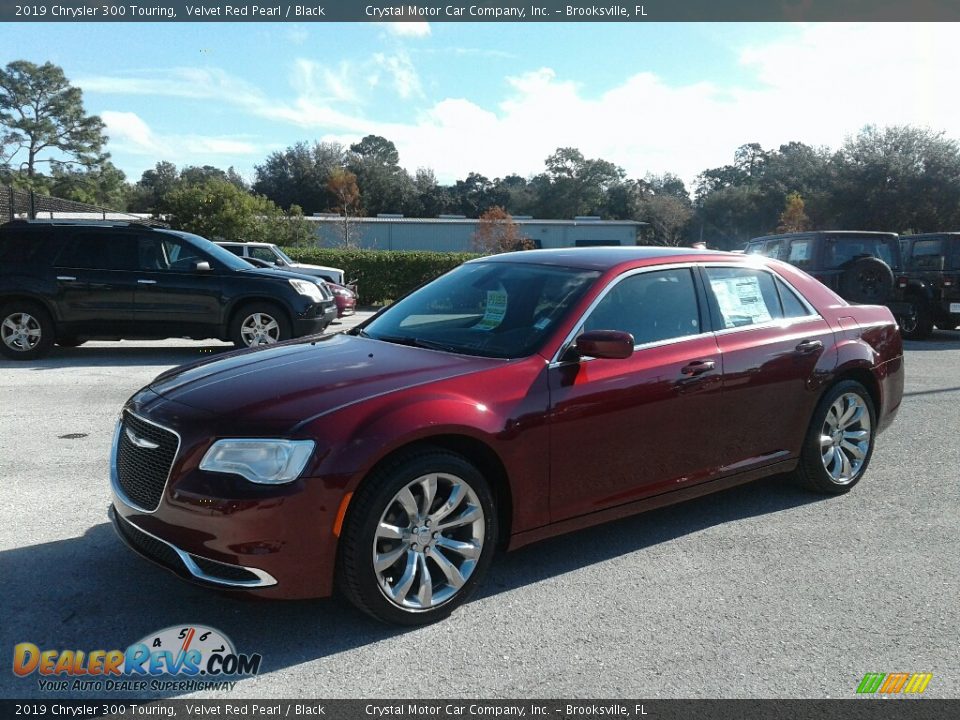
[816, 84]
[400, 69]
[129, 133]
[408, 29]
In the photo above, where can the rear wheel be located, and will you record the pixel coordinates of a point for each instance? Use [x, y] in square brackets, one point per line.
[839, 442]
[419, 537]
[919, 324]
[26, 330]
[258, 324]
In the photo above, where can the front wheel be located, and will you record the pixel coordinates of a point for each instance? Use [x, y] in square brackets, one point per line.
[839, 442]
[420, 535]
[258, 324]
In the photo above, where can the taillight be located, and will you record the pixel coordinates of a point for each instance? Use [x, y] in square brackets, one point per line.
[947, 282]
[901, 282]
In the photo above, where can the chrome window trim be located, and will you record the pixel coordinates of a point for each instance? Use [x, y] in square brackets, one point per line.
[115, 478]
[761, 266]
[264, 579]
[571, 336]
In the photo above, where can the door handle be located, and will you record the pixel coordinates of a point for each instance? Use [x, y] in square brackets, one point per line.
[146, 282]
[66, 278]
[697, 367]
[808, 346]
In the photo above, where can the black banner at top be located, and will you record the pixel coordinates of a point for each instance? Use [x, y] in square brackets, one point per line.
[478, 11]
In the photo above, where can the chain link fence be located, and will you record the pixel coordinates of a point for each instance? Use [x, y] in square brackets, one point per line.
[28, 205]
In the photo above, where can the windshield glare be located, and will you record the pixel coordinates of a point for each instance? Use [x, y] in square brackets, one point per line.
[491, 309]
[218, 253]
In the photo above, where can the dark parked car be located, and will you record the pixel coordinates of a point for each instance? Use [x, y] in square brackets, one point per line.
[67, 282]
[933, 283]
[514, 398]
[860, 266]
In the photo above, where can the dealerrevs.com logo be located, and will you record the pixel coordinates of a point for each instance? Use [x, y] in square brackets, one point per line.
[176, 659]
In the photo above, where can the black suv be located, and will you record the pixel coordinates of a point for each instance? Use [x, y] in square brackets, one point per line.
[860, 266]
[67, 282]
[933, 282]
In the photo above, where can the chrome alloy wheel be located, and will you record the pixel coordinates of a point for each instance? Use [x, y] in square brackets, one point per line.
[259, 328]
[20, 331]
[845, 438]
[428, 541]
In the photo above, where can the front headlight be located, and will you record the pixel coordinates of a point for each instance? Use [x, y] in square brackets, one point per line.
[308, 289]
[268, 462]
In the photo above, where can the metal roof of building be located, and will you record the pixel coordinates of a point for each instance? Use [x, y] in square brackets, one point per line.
[470, 221]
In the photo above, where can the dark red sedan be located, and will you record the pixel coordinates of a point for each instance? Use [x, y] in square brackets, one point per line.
[512, 399]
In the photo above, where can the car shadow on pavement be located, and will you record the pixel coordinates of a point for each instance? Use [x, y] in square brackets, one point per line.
[119, 356]
[91, 592]
[939, 340]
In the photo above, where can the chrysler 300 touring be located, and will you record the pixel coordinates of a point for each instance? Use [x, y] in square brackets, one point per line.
[512, 399]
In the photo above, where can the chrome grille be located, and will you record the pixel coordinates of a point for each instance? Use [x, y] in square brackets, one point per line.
[143, 467]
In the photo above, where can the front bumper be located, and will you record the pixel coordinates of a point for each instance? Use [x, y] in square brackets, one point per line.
[220, 530]
[190, 567]
[316, 321]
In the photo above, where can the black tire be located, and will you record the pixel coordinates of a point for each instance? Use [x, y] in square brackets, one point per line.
[812, 468]
[240, 324]
[376, 500]
[18, 316]
[919, 324]
[867, 280]
[70, 342]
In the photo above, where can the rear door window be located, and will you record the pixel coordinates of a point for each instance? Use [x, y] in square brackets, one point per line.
[744, 297]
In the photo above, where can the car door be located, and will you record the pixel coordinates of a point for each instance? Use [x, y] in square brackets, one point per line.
[772, 342]
[94, 272]
[621, 430]
[173, 297]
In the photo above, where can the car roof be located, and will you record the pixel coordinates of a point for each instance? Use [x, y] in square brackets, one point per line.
[604, 258]
[241, 244]
[931, 235]
[831, 233]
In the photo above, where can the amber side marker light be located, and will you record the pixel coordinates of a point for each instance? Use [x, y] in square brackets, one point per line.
[341, 513]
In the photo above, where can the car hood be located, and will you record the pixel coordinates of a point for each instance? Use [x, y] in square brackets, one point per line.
[275, 273]
[300, 380]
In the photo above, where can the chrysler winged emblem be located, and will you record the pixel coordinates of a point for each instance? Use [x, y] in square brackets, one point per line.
[139, 441]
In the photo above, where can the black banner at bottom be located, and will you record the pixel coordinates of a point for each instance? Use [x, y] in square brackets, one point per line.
[854, 709]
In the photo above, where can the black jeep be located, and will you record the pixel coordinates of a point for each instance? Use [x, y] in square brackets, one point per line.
[933, 282]
[861, 267]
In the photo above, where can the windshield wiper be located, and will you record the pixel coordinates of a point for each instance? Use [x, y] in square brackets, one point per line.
[415, 342]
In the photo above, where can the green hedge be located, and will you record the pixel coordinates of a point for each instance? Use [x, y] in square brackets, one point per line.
[382, 275]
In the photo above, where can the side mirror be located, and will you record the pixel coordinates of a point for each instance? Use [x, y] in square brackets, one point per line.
[201, 266]
[607, 344]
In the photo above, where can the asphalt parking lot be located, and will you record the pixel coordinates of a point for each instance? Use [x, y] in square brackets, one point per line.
[761, 591]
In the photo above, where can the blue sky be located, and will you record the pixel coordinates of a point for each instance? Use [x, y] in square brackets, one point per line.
[495, 97]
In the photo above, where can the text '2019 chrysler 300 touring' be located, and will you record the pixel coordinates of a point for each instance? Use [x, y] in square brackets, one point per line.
[514, 398]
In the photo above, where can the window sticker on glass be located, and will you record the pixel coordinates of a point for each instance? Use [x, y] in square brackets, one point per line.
[494, 312]
[741, 302]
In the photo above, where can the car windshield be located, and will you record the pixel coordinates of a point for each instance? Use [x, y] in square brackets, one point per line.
[218, 253]
[841, 251]
[281, 254]
[491, 309]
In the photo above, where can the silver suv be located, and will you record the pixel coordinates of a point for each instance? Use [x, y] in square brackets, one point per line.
[270, 253]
